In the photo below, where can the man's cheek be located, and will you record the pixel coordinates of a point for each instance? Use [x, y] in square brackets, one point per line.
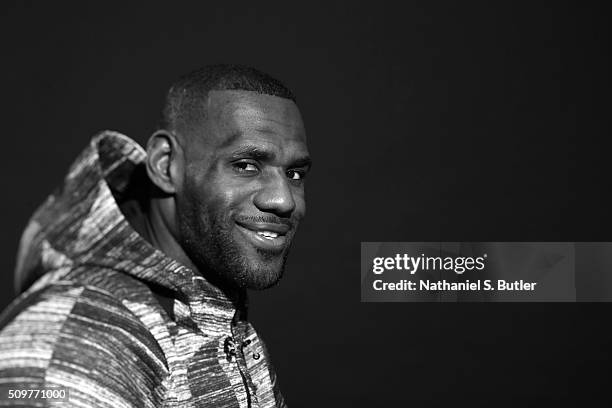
[300, 207]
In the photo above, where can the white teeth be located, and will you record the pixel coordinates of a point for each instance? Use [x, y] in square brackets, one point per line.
[267, 234]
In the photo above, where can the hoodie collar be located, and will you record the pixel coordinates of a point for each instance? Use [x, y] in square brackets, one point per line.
[85, 223]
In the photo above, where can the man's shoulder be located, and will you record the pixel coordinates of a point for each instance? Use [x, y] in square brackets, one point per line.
[65, 305]
[78, 334]
[78, 311]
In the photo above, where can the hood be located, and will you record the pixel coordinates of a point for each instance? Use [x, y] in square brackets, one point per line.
[81, 223]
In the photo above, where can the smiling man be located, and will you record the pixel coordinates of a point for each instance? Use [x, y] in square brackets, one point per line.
[135, 272]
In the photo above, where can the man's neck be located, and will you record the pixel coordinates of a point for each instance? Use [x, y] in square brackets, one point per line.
[151, 219]
[153, 222]
[158, 231]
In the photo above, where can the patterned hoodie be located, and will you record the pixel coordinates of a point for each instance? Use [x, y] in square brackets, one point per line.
[114, 320]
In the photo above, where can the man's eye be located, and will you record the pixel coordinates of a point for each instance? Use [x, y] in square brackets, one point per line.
[295, 175]
[245, 167]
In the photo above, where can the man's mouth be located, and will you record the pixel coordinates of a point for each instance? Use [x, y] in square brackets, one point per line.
[267, 234]
[271, 236]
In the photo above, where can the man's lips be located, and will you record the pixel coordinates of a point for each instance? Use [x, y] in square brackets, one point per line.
[265, 235]
[278, 229]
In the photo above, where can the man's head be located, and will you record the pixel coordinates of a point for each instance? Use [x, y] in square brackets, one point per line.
[231, 158]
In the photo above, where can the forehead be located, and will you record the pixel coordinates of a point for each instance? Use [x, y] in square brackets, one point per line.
[234, 116]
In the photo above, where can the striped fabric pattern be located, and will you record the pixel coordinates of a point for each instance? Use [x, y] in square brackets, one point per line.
[114, 320]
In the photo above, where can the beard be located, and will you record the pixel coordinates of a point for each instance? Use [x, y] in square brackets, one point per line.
[209, 237]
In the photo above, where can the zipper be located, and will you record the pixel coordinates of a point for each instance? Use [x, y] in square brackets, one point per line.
[232, 351]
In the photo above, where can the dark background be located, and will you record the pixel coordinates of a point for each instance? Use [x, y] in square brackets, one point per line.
[431, 122]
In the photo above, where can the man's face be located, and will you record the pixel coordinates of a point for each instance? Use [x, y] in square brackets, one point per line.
[243, 188]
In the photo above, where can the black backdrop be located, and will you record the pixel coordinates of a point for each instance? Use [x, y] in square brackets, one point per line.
[434, 121]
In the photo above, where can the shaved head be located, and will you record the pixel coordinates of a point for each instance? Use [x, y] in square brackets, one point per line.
[186, 102]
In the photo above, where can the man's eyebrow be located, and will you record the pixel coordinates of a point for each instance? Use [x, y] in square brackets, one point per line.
[304, 161]
[258, 153]
[253, 152]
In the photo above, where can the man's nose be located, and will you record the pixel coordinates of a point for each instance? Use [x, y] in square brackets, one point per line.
[275, 196]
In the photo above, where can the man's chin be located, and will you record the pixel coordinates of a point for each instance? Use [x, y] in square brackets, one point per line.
[265, 274]
[255, 267]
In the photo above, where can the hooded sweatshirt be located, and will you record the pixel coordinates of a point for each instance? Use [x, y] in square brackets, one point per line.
[113, 320]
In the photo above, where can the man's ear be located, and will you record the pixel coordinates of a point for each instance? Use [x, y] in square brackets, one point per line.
[164, 164]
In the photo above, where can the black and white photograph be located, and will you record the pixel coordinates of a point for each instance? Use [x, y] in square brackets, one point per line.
[297, 204]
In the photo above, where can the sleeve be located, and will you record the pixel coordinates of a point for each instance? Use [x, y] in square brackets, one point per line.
[82, 340]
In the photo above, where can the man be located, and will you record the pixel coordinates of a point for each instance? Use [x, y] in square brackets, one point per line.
[142, 259]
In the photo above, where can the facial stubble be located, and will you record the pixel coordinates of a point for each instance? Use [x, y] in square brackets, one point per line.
[207, 237]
